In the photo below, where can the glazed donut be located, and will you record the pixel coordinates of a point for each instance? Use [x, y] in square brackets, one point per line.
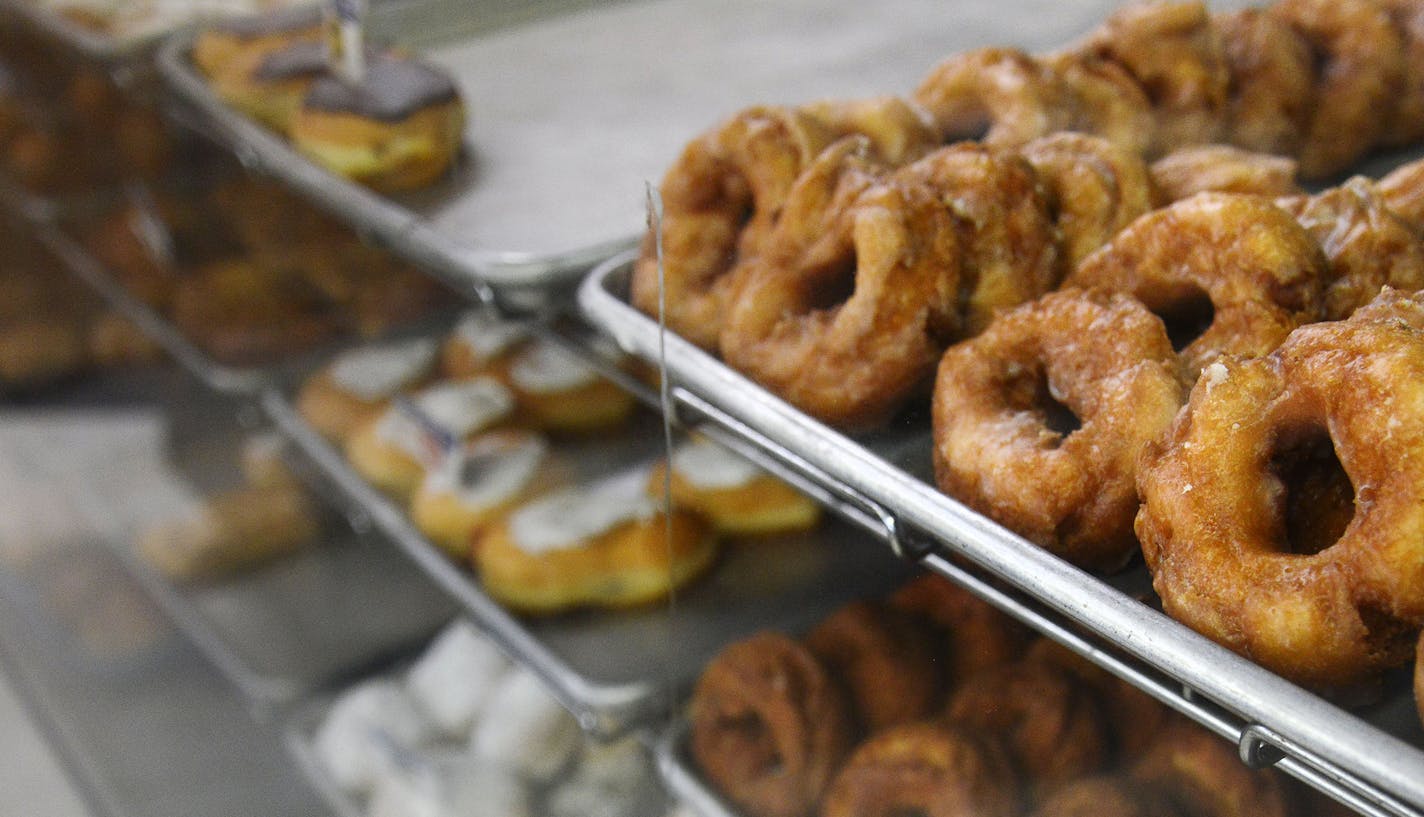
[924, 768]
[884, 658]
[1361, 75]
[558, 392]
[999, 443]
[721, 199]
[481, 345]
[355, 387]
[1094, 188]
[1105, 796]
[1183, 173]
[220, 46]
[1403, 192]
[1010, 247]
[1216, 524]
[1176, 55]
[1407, 124]
[1272, 81]
[400, 129]
[1001, 96]
[603, 544]
[1134, 718]
[1366, 245]
[1244, 262]
[850, 364]
[899, 131]
[1050, 724]
[976, 635]
[1201, 774]
[1107, 101]
[769, 726]
[737, 497]
[243, 313]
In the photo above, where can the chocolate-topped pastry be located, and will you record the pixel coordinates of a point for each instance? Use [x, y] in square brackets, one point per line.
[247, 40]
[394, 88]
[269, 85]
[305, 59]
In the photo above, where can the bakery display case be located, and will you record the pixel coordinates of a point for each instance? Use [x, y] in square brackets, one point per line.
[512, 463]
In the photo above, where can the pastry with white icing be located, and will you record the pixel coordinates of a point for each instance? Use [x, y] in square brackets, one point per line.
[525, 730]
[603, 544]
[477, 483]
[358, 385]
[482, 345]
[559, 392]
[452, 681]
[366, 733]
[736, 496]
[394, 450]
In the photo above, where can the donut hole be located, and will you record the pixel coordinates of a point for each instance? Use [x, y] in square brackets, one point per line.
[1029, 390]
[898, 810]
[834, 284]
[1317, 500]
[757, 750]
[1186, 317]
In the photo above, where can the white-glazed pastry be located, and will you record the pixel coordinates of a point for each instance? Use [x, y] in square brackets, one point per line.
[559, 392]
[736, 496]
[482, 344]
[365, 732]
[358, 385]
[453, 680]
[526, 730]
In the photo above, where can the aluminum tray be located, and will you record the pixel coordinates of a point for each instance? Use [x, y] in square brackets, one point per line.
[571, 115]
[1358, 761]
[619, 670]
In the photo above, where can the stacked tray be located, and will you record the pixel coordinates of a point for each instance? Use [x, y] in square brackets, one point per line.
[1371, 759]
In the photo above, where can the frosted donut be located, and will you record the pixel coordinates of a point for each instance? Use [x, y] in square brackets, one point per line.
[558, 392]
[270, 86]
[482, 345]
[454, 679]
[525, 730]
[221, 46]
[362, 733]
[605, 544]
[1108, 362]
[358, 385]
[1094, 189]
[1000, 96]
[1237, 525]
[477, 483]
[737, 497]
[394, 450]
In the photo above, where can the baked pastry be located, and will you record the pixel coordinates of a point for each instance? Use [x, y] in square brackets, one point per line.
[358, 385]
[232, 531]
[242, 312]
[478, 482]
[482, 344]
[884, 658]
[975, 634]
[400, 129]
[737, 497]
[604, 544]
[394, 450]
[454, 680]
[367, 733]
[270, 86]
[524, 729]
[222, 45]
[559, 393]
[1199, 773]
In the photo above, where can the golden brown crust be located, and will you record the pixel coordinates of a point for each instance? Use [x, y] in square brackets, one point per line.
[407, 154]
[1272, 81]
[1403, 192]
[1108, 102]
[1108, 361]
[1134, 718]
[1183, 173]
[763, 506]
[1200, 774]
[769, 728]
[1105, 796]
[1407, 124]
[885, 659]
[1001, 96]
[899, 131]
[976, 634]
[924, 768]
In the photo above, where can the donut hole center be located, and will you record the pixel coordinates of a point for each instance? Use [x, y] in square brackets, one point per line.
[907, 811]
[1030, 390]
[1317, 500]
[756, 748]
[832, 284]
[1187, 317]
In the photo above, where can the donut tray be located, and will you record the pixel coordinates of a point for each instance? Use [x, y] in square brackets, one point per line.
[571, 115]
[1369, 759]
[617, 670]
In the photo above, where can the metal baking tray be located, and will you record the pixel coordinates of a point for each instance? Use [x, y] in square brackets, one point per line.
[571, 115]
[616, 670]
[1367, 763]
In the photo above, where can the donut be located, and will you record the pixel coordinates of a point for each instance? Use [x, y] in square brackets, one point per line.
[1366, 245]
[1177, 56]
[393, 450]
[1094, 188]
[924, 768]
[899, 131]
[1272, 88]
[218, 47]
[884, 658]
[893, 247]
[475, 484]
[1010, 249]
[1237, 265]
[975, 634]
[481, 345]
[1107, 101]
[602, 544]
[269, 86]
[241, 312]
[1201, 774]
[1134, 718]
[400, 129]
[452, 681]
[1407, 124]
[1360, 76]
[1064, 392]
[1051, 725]
[235, 530]
[1104, 796]
[737, 497]
[558, 392]
[1000, 96]
[366, 733]
[357, 386]
[1183, 173]
[526, 730]
[41, 350]
[1245, 470]
[1403, 192]
[721, 199]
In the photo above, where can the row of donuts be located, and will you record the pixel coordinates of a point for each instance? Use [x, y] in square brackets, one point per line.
[462, 434]
[933, 702]
[1322, 81]
[400, 128]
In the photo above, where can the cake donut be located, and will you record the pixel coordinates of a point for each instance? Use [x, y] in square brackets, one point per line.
[1105, 796]
[270, 86]
[603, 544]
[737, 497]
[482, 345]
[400, 129]
[884, 658]
[394, 450]
[1201, 774]
[229, 42]
[357, 386]
[974, 633]
[476, 483]
[1000, 96]
[1224, 493]
[558, 392]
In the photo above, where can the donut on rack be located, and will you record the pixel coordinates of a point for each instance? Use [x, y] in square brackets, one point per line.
[270, 86]
[1183, 173]
[482, 345]
[1065, 392]
[736, 496]
[1237, 497]
[884, 658]
[974, 634]
[1272, 86]
[1201, 774]
[1001, 96]
[247, 39]
[558, 392]
[357, 386]
[1105, 796]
